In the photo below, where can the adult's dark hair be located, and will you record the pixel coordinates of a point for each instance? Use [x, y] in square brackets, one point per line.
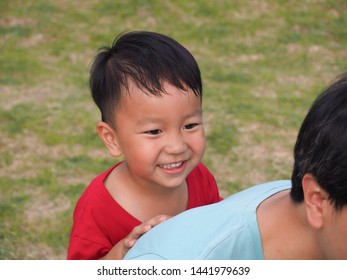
[145, 58]
[321, 147]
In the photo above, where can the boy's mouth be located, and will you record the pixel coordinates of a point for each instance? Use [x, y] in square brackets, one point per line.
[171, 165]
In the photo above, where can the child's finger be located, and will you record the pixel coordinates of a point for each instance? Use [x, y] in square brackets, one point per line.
[146, 226]
[157, 220]
[129, 243]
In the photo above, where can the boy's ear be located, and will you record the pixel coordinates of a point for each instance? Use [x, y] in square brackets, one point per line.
[315, 199]
[108, 135]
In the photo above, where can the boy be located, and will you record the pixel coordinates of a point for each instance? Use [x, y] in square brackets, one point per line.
[274, 220]
[149, 91]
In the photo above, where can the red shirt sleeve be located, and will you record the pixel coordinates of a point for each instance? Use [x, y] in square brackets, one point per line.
[99, 222]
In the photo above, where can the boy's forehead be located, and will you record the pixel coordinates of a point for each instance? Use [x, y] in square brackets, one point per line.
[135, 98]
[165, 87]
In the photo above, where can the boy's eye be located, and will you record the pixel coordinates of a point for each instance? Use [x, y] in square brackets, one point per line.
[153, 131]
[191, 125]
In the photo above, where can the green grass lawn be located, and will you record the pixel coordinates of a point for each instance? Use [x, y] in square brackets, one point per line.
[262, 62]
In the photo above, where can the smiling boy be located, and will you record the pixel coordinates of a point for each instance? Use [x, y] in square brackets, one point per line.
[149, 91]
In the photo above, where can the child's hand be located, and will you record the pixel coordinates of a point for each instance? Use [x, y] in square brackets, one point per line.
[122, 247]
[141, 229]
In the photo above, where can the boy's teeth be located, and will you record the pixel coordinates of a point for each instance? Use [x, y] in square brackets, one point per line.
[171, 165]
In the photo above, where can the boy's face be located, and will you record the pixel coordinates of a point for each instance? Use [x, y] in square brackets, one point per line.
[162, 138]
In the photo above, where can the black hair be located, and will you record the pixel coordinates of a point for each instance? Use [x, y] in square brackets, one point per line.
[145, 58]
[321, 146]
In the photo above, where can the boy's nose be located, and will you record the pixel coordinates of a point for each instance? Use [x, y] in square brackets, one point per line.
[175, 144]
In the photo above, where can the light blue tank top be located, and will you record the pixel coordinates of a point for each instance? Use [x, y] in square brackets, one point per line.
[221, 231]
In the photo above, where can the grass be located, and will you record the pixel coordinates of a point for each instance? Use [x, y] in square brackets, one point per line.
[262, 62]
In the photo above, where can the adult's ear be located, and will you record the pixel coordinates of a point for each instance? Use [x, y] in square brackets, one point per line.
[108, 135]
[315, 201]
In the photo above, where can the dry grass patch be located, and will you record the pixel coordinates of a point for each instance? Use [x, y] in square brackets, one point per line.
[29, 155]
[255, 161]
[42, 206]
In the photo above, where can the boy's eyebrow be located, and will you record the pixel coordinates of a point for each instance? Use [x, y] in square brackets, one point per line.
[150, 119]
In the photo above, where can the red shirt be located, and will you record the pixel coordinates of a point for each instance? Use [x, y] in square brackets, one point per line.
[99, 222]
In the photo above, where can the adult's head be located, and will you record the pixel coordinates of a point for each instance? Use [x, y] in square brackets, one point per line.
[321, 147]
